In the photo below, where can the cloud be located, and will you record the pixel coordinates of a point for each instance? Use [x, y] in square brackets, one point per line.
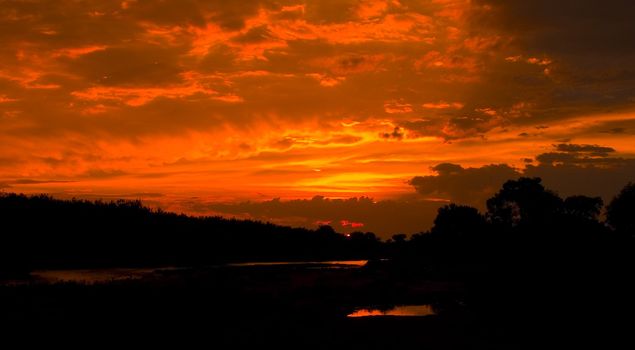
[229, 15]
[586, 44]
[37, 182]
[330, 11]
[142, 64]
[591, 150]
[396, 134]
[103, 173]
[464, 185]
[571, 169]
[584, 169]
[234, 99]
[567, 26]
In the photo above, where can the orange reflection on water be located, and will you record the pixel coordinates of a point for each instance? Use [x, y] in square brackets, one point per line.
[404, 310]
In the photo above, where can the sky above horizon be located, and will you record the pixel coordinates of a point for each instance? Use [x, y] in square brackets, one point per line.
[367, 115]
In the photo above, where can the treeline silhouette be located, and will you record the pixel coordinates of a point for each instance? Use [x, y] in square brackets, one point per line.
[534, 262]
[42, 232]
[524, 222]
[525, 225]
[533, 266]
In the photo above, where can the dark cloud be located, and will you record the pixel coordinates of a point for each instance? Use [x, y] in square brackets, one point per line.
[571, 170]
[331, 11]
[145, 65]
[230, 15]
[464, 185]
[467, 125]
[37, 182]
[170, 12]
[219, 58]
[571, 177]
[254, 35]
[617, 130]
[7, 162]
[423, 127]
[570, 27]
[583, 169]
[385, 217]
[587, 49]
[396, 134]
[63, 22]
[103, 173]
[579, 155]
[593, 150]
[455, 124]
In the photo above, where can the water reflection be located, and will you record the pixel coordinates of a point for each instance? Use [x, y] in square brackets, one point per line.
[90, 276]
[93, 275]
[319, 264]
[402, 310]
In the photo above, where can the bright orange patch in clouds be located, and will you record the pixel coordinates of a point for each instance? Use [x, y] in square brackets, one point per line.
[175, 101]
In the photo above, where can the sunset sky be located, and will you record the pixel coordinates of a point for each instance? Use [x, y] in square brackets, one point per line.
[364, 114]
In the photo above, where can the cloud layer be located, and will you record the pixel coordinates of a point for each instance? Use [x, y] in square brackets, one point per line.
[230, 101]
[570, 169]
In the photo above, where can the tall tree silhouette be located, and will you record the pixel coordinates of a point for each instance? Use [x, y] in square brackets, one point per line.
[523, 203]
[620, 213]
[457, 221]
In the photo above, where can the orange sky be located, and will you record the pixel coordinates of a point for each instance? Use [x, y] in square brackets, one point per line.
[200, 106]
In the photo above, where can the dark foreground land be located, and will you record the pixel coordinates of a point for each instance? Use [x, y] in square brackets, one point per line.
[534, 271]
[238, 306]
[306, 307]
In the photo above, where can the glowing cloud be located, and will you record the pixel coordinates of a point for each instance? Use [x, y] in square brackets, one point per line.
[233, 101]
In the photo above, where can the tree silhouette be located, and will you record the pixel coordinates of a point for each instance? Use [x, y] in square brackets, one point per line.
[325, 230]
[523, 203]
[42, 232]
[583, 207]
[399, 238]
[457, 221]
[620, 213]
